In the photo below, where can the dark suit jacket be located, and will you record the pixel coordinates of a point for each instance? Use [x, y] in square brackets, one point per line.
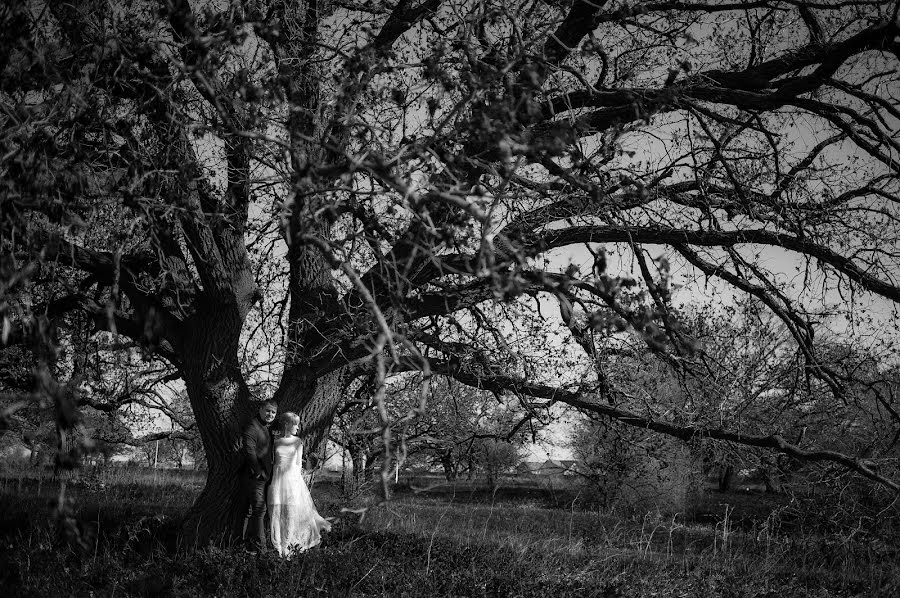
[257, 449]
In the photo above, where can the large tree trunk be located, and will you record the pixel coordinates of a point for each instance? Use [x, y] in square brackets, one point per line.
[315, 401]
[221, 404]
[315, 312]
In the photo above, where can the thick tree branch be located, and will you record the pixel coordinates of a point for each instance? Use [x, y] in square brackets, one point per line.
[756, 88]
[104, 265]
[578, 23]
[403, 18]
[594, 404]
[719, 238]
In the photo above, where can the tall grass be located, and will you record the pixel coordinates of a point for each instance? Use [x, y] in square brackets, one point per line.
[420, 544]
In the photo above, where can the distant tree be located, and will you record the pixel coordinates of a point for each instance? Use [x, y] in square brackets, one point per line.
[455, 433]
[619, 463]
[108, 450]
[105, 381]
[608, 455]
[175, 452]
[495, 457]
[745, 374]
[375, 188]
[458, 430]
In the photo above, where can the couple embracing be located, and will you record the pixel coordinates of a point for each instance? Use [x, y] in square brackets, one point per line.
[272, 475]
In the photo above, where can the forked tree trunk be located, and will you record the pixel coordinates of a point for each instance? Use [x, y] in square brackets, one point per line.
[221, 404]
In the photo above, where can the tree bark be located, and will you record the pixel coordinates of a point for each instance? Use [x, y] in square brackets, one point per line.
[221, 404]
[315, 401]
[449, 464]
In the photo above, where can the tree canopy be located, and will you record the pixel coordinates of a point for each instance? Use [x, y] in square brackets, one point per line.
[299, 194]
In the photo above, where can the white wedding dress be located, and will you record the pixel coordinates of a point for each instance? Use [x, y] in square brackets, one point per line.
[296, 525]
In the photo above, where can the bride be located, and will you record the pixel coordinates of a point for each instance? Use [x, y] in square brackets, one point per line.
[296, 525]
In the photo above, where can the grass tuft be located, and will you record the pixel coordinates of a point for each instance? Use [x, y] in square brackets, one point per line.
[463, 543]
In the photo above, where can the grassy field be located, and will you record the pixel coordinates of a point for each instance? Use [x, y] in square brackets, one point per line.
[118, 537]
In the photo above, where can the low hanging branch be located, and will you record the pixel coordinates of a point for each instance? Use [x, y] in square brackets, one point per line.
[581, 401]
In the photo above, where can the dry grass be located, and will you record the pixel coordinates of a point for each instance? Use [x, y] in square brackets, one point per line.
[444, 543]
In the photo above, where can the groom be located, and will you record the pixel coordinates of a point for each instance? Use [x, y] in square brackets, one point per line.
[255, 473]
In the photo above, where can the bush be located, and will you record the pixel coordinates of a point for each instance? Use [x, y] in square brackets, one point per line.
[633, 471]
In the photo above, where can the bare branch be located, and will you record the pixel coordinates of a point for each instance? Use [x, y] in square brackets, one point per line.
[594, 404]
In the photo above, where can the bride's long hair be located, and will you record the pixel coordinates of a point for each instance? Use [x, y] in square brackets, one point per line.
[284, 422]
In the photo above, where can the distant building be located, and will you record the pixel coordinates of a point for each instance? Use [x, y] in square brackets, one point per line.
[529, 467]
[549, 467]
[552, 467]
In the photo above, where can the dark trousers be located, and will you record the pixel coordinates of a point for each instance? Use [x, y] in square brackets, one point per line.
[254, 520]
